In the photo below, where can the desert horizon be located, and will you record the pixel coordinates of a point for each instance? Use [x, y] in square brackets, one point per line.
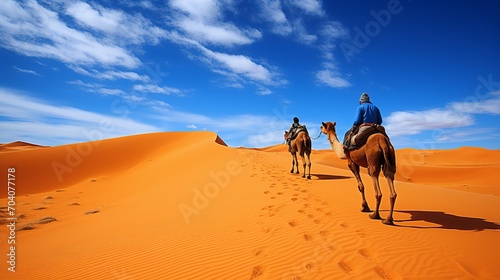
[184, 205]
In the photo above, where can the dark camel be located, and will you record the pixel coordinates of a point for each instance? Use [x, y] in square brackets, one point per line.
[302, 145]
[376, 154]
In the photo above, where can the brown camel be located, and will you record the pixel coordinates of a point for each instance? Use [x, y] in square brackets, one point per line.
[302, 145]
[377, 153]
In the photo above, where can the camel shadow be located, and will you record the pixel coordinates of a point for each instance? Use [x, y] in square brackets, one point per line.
[447, 221]
[330, 177]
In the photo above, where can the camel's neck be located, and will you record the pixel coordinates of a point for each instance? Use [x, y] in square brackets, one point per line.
[337, 147]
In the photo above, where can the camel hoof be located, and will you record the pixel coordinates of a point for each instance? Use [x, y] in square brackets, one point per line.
[291, 171]
[388, 222]
[365, 209]
[375, 216]
[309, 177]
[297, 172]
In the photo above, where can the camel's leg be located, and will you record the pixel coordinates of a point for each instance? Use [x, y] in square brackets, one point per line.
[297, 164]
[390, 220]
[303, 164]
[309, 165]
[355, 170]
[294, 158]
[378, 196]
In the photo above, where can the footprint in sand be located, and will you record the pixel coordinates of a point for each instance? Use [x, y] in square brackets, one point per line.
[366, 253]
[293, 223]
[258, 252]
[360, 233]
[309, 266]
[345, 266]
[257, 271]
[383, 273]
[308, 237]
[294, 198]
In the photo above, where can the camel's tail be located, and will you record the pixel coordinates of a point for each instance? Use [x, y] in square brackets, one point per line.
[389, 167]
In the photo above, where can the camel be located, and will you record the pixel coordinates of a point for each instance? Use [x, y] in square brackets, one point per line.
[302, 145]
[377, 153]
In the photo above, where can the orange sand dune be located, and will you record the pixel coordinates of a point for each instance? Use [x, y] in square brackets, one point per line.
[18, 145]
[185, 206]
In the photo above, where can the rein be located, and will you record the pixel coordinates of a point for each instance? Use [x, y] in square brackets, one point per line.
[320, 132]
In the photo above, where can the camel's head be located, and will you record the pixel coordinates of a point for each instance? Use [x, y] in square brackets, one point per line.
[286, 134]
[328, 127]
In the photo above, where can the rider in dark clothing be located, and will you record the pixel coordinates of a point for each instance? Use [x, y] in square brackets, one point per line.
[292, 129]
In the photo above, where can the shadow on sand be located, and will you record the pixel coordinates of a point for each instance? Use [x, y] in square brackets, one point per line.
[446, 221]
[330, 177]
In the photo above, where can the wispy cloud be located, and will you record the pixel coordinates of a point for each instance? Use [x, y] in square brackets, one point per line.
[115, 24]
[272, 12]
[32, 72]
[453, 115]
[35, 120]
[330, 75]
[332, 78]
[96, 88]
[32, 29]
[203, 21]
[312, 7]
[158, 89]
[110, 74]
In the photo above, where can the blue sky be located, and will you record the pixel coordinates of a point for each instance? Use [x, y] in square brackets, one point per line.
[75, 71]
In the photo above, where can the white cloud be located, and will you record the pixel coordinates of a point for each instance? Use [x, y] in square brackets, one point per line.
[96, 88]
[110, 74]
[34, 120]
[488, 106]
[242, 65]
[133, 29]
[32, 72]
[414, 122]
[203, 10]
[272, 12]
[218, 34]
[203, 21]
[33, 30]
[157, 89]
[312, 7]
[333, 30]
[302, 35]
[453, 115]
[332, 78]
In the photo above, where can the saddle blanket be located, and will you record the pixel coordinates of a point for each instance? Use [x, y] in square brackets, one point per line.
[366, 130]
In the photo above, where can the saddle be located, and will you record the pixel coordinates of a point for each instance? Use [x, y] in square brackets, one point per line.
[295, 132]
[358, 138]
